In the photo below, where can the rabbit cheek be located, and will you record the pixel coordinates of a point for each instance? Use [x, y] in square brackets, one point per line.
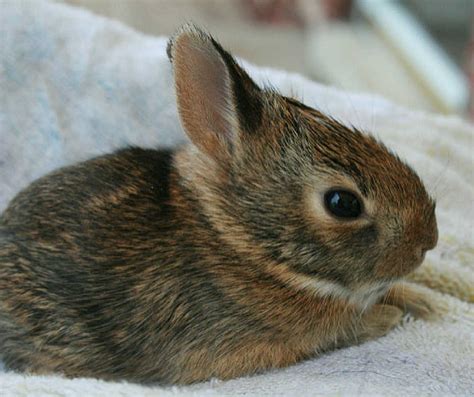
[395, 265]
[401, 260]
[350, 254]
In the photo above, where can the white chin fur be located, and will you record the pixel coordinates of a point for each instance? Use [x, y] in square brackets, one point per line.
[364, 296]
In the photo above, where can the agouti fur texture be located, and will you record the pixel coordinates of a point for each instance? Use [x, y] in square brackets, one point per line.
[219, 258]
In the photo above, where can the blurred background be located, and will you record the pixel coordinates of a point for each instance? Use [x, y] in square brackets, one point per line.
[418, 53]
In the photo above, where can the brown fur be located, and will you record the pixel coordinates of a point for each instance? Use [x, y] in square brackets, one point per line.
[218, 259]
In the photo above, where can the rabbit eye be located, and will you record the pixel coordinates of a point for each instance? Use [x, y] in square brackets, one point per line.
[342, 204]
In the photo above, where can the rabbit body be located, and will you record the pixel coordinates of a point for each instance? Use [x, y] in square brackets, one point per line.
[217, 259]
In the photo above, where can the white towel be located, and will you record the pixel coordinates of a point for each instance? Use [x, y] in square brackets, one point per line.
[74, 85]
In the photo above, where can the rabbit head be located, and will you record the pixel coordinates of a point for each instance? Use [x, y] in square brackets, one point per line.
[318, 204]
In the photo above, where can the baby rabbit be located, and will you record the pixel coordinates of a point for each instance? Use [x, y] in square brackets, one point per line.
[278, 233]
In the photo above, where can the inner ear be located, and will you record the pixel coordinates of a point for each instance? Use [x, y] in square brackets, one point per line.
[217, 100]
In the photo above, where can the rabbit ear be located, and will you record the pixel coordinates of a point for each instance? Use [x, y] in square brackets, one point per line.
[217, 100]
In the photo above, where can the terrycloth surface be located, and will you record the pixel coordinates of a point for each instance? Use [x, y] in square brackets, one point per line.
[73, 85]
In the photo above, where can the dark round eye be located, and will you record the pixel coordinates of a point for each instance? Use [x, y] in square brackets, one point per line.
[342, 204]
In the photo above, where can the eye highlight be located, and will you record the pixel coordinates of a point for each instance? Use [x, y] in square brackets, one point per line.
[342, 204]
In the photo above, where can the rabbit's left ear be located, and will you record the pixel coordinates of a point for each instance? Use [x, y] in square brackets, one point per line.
[217, 100]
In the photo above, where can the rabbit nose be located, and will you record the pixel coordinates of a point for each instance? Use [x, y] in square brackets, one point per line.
[431, 242]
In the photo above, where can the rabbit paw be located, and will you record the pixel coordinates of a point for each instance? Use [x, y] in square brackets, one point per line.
[380, 319]
[410, 299]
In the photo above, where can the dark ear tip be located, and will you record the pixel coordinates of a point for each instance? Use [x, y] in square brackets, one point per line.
[186, 29]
